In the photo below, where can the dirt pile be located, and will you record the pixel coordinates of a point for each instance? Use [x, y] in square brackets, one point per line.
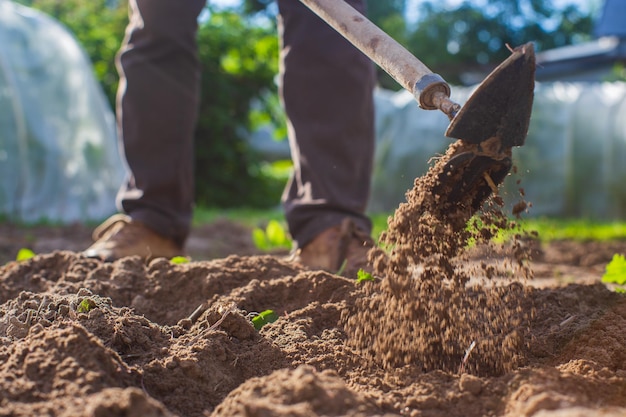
[84, 338]
[424, 312]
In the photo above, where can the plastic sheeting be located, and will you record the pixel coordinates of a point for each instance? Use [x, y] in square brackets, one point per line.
[58, 151]
[573, 162]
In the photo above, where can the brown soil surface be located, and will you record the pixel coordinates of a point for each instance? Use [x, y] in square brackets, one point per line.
[79, 337]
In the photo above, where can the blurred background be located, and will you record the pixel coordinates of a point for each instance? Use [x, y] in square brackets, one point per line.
[58, 150]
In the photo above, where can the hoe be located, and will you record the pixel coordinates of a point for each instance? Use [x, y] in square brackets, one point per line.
[493, 120]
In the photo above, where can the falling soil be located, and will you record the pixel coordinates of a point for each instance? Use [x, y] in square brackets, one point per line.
[438, 318]
[442, 331]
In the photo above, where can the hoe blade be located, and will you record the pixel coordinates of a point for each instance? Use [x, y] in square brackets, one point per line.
[502, 103]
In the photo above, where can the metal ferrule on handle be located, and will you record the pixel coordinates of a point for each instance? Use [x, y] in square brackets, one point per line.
[430, 90]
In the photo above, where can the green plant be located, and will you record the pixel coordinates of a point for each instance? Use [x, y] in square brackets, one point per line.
[363, 276]
[177, 260]
[273, 237]
[616, 273]
[86, 305]
[263, 318]
[24, 254]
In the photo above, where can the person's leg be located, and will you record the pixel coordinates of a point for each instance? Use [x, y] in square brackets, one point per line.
[157, 109]
[326, 87]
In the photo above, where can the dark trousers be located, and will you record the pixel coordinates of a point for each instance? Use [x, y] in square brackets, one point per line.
[326, 86]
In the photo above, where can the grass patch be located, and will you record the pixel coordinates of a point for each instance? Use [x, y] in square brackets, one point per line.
[379, 223]
[579, 230]
[250, 217]
[575, 229]
[547, 228]
[253, 217]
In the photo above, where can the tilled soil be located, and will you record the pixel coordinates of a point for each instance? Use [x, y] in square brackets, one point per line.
[440, 331]
[79, 337]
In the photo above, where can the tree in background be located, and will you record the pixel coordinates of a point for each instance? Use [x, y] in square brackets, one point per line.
[239, 64]
[618, 73]
[389, 15]
[474, 35]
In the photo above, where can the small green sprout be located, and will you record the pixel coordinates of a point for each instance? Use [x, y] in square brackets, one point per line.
[264, 317]
[274, 236]
[177, 260]
[86, 305]
[362, 276]
[24, 254]
[616, 273]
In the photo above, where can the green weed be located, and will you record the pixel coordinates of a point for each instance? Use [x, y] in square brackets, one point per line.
[363, 276]
[273, 237]
[24, 254]
[263, 318]
[616, 273]
[177, 260]
[86, 305]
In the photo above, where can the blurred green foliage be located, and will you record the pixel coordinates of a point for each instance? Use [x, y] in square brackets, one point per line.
[618, 73]
[274, 236]
[579, 229]
[474, 36]
[239, 64]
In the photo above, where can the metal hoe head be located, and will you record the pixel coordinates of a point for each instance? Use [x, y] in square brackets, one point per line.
[493, 120]
[502, 103]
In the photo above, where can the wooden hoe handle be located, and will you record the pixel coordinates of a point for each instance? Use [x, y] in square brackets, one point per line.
[430, 90]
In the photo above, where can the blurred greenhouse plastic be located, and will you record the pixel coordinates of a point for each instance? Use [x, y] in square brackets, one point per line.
[573, 162]
[58, 154]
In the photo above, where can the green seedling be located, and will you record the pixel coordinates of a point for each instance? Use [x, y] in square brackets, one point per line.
[362, 276]
[177, 260]
[86, 305]
[24, 254]
[263, 318]
[273, 237]
[616, 273]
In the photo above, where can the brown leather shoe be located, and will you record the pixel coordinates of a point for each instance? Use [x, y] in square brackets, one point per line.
[120, 236]
[335, 246]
